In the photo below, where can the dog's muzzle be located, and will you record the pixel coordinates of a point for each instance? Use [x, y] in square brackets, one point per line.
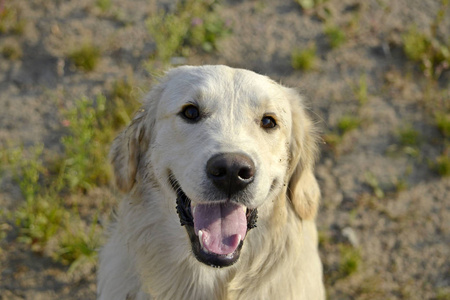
[217, 230]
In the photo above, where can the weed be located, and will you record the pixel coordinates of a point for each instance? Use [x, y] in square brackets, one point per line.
[347, 123]
[310, 4]
[350, 260]
[123, 103]
[400, 184]
[12, 51]
[433, 55]
[336, 36]
[39, 218]
[372, 181]
[168, 31]
[332, 140]
[443, 123]
[87, 145]
[408, 144]
[193, 25]
[104, 5]
[85, 58]
[11, 21]
[443, 294]
[409, 137]
[46, 215]
[304, 59]
[442, 165]
[324, 238]
[78, 246]
[360, 90]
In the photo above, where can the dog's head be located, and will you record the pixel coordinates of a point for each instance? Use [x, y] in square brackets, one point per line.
[221, 144]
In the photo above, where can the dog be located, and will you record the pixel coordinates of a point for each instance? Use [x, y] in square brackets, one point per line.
[220, 194]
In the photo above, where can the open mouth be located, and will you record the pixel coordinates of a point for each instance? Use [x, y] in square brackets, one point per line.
[216, 230]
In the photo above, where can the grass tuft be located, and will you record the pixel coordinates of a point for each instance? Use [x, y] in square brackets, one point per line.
[350, 260]
[442, 165]
[11, 21]
[104, 5]
[310, 4]
[348, 123]
[12, 51]
[335, 35]
[409, 136]
[443, 123]
[86, 57]
[193, 26]
[47, 220]
[78, 246]
[304, 59]
[432, 55]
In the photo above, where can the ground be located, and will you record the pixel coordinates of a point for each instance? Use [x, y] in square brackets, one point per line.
[384, 220]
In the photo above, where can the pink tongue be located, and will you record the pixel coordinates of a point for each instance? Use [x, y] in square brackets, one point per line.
[221, 225]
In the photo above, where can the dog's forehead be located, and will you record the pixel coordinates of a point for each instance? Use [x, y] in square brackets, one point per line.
[215, 84]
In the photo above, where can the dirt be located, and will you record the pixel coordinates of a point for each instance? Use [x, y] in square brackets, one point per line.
[401, 234]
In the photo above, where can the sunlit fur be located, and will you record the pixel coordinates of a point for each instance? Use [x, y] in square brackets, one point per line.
[148, 254]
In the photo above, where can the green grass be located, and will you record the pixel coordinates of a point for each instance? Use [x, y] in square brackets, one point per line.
[336, 36]
[373, 182]
[443, 123]
[47, 220]
[310, 4]
[443, 294]
[350, 260]
[360, 90]
[431, 52]
[304, 59]
[11, 51]
[193, 26]
[442, 165]
[11, 20]
[348, 123]
[409, 136]
[104, 5]
[86, 57]
[41, 214]
[345, 124]
[86, 146]
[78, 246]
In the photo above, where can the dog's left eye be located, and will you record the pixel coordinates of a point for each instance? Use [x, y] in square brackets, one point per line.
[267, 122]
[190, 113]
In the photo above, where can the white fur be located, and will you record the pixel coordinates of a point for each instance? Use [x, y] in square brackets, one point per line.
[148, 255]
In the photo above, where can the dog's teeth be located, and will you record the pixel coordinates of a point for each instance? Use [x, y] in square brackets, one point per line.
[200, 237]
[240, 237]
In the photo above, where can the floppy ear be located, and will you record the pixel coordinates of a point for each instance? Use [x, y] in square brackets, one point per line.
[303, 190]
[126, 151]
[132, 144]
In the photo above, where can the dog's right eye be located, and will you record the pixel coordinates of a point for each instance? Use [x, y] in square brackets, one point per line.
[191, 113]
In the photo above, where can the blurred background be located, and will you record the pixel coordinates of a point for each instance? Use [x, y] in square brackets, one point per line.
[376, 78]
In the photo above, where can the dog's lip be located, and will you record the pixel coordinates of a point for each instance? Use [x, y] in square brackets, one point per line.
[185, 209]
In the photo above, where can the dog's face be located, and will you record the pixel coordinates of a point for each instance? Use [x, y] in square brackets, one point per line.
[220, 143]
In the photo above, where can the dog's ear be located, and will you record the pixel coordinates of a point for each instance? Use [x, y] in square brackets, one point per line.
[126, 151]
[303, 190]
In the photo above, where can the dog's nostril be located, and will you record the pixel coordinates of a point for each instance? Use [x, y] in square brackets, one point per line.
[218, 172]
[246, 173]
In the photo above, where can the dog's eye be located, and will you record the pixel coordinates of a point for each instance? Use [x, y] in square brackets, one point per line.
[190, 112]
[268, 122]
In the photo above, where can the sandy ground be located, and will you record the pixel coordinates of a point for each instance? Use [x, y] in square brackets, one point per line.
[403, 236]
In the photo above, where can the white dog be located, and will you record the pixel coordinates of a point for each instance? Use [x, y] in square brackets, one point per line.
[217, 167]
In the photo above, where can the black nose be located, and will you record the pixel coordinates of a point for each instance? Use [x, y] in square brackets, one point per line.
[230, 172]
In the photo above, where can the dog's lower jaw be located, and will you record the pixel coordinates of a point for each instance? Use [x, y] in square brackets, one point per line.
[200, 252]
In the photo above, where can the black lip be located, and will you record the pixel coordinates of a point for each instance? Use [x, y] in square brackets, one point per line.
[187, 220]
